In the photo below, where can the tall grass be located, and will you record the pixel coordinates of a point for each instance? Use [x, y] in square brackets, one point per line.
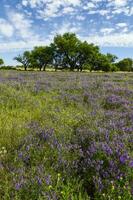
[66, 135]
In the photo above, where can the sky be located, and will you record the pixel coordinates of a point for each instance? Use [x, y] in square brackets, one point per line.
[28, 23]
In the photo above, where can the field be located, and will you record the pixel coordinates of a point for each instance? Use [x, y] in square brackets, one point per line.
[66, 136]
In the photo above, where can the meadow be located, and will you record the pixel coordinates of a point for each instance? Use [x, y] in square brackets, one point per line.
[66, 136]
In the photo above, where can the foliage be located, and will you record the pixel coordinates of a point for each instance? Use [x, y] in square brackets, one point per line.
[112, 58]
[103, 63]
[1, 61]
[7, 68]
[71, 53]
[114, 67]
[68, 52]
[41, 57]
[24, 59]
[125, 65]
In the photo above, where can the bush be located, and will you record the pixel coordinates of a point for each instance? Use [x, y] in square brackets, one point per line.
[114, 68]
[7, 68]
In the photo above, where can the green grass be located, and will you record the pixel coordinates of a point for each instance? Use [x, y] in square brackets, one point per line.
[64, 102]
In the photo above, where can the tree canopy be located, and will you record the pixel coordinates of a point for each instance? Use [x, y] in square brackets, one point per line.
[68, 52]
[1, 61]
[41, 57]
[24, 59]
[125, 65]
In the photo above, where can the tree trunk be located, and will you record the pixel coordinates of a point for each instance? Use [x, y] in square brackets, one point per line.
[25, 68]
[44, 68]
[56, 67]
[72, 68]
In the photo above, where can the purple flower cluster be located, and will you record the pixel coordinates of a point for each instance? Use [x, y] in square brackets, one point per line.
[115, 102]
[102, 158]
[93, 143]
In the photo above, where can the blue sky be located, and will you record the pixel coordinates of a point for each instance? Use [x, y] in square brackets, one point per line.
[28, 23]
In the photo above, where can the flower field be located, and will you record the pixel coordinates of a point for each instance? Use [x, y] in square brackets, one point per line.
[66, 136]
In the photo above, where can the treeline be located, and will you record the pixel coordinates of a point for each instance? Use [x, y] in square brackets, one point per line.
[68, 52]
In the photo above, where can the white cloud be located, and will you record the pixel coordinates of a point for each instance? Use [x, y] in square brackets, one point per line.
[29, 44]
[114, 40]
[103, 12]
[120, 2]
[117, 3]
[52, 8]
[68, 10]
[89, 5]
[41, 3]
[106, 30]
[24, 2]
[6, 29]
[121, 25]
[73, 2]
[32, 3]
[100, 12]
[124, 10]
[131, 11]
[65, 27]
[80, 18]
[46, 9]
[124, 30]
[21, 45]
[21, 24]
[96, 1]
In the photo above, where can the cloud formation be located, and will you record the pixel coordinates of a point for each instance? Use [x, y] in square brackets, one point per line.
[6, 29]
[27, 23]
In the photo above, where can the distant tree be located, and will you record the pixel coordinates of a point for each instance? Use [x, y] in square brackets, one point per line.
[86, 54]
[58, 60]
[114, 67]
[68, 52]
[102, 63]
[41, 57]
[125, 65]
[65, 50]
[71, 53]
[24, 59]
[1, 61]
[112, 58]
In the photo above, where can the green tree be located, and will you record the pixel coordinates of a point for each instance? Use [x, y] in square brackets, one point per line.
[58, 61]
[65, 50]
[41, 57]
[24, 59]
[71, 53]
[102, 63]
[126, 64]
[86, 54]
[114, 67]
[1, 61]
[111, 57]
